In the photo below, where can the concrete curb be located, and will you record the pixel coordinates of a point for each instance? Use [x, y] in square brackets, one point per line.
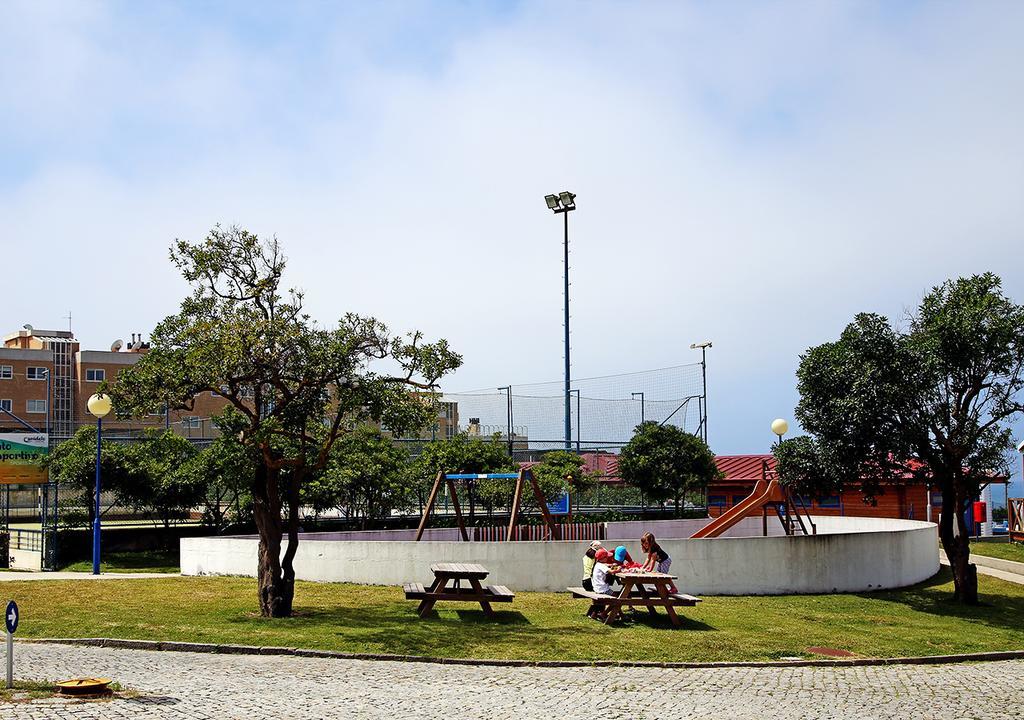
[1010, 566]
[173, 646]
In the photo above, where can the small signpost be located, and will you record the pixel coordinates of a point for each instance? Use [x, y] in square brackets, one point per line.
[11, 621]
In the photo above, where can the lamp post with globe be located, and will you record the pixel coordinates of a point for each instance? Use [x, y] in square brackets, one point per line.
[780, 427]
[99, 405]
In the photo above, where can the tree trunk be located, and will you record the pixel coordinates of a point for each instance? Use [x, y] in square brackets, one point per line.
[275, 594]
[956, 543]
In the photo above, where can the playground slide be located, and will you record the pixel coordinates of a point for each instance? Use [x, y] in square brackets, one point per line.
[764, 491]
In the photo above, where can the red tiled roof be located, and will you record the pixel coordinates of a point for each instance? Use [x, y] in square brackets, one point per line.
[743, 468]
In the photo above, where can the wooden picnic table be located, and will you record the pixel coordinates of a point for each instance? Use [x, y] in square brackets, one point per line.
[635, 592]
[455, 573]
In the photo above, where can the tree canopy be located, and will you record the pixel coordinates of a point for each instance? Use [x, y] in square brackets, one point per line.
[930, 402]
[666, 462]
[298, 386]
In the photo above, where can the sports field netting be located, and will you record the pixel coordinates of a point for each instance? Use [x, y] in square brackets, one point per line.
[603, 413]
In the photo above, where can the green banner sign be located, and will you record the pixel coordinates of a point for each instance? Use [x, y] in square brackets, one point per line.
[19, 458]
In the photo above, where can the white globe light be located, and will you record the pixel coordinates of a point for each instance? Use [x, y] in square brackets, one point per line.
[780, 426]
[99, 405]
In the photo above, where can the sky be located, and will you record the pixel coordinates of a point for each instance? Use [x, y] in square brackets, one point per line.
[753, 174]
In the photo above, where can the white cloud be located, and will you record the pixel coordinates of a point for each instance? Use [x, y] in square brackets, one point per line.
[754, 176]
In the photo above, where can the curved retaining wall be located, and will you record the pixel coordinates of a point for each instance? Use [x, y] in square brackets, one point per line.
[847, 555]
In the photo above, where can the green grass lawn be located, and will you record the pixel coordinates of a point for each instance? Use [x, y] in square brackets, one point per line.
[1004, 550]
[153, 561]
[921, 620]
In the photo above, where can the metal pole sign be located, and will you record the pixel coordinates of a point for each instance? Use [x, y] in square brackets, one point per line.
[11, 621]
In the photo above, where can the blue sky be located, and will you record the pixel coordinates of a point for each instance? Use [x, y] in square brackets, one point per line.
[751, 173]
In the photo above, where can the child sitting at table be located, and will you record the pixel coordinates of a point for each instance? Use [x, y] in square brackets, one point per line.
[604, 563]
[657, 559]
[622, 558]
[589, 559]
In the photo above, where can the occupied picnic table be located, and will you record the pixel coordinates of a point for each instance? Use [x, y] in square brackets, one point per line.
[635, 592]
[455, 573]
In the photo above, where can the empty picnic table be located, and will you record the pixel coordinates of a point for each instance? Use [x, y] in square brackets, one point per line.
[455, 573]
[634, 592]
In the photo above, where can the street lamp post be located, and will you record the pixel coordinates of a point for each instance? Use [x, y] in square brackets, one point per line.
[704, 380]
[99, 405]
[633, 395]
[564, 203]
[780, 427]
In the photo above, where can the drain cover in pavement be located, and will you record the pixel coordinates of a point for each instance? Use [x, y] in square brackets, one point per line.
[84, 686]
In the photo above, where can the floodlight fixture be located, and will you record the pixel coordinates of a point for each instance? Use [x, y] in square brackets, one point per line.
[552, 201]
[567, 199]
[700, 346]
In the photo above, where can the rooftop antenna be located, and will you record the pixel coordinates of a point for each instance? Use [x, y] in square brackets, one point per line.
[68, 318]
[27, 327]
[116, 345]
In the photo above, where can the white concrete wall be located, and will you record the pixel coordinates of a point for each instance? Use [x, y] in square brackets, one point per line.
[848, 555]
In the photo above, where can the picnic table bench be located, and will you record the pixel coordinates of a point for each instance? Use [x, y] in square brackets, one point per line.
[455, 573]
[635, 593]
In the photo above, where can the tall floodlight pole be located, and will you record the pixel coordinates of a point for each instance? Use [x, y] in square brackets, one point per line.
[704, 381]
[564, 203]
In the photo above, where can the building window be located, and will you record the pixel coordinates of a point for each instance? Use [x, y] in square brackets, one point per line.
[6, 372]
[716, 500]
[35, 406]
[832, 501]
[95, 375]
[7, 405]
[936, 498]
[36, 373]
[159, 412]
[191, 422]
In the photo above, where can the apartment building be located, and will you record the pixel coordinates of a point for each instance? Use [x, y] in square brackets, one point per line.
[46, 380]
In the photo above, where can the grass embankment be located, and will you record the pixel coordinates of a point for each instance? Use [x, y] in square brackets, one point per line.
[921, 620]
[1003, 550]
[153, 561]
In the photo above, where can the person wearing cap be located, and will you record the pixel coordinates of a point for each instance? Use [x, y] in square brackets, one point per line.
[622, 555]
[588, 564]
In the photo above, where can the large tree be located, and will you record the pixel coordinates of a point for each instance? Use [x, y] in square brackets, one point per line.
[299, 386]
[930, 402]
[666, 462]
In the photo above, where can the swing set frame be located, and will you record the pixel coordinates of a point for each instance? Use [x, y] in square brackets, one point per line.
[521, 478]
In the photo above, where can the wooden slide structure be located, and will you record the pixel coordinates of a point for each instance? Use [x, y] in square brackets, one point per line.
[767, 493]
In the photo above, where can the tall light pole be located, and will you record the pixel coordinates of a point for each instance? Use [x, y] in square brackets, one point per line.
[564, 203]
[704, 381]
[99, 405]
[633, 396]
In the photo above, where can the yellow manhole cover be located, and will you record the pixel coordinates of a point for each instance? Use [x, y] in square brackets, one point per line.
[84, 686]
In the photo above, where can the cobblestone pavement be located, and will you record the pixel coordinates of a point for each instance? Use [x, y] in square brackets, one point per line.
[199, 686]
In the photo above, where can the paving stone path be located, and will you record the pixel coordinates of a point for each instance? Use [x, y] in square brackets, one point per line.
[200, 686]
